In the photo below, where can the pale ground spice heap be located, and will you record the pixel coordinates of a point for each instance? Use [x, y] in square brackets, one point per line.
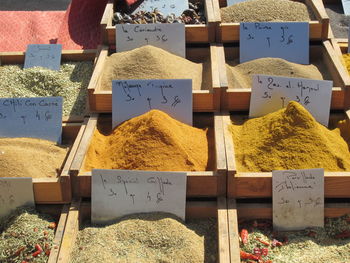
[70, 82]
[149, 62]
[239, 76]
[289, 138]
[148, 238]
[21, 231]
[153, 141]
[266, 10]
[29, 157]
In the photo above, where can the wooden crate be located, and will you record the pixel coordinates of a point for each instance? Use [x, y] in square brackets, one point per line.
[203, 33]
[199, 184]
[260, 210]
[239, 99]
[8, 58]
[81, 211]
[318, 29]
[259, 184]
[203, 100]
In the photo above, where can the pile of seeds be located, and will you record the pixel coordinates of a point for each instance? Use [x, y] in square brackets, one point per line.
[321, 245]
[154, 237]
[26, 236]
[266, 10]
[339, 22]
[70, 82]
[193, 15]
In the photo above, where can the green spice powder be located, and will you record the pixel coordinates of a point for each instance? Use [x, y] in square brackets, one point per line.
[70, 82]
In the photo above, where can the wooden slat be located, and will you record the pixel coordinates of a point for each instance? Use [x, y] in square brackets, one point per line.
[229, 147]
[106, 17]
[223, 231]
[321, 14]
[233, 231]
[221, 166]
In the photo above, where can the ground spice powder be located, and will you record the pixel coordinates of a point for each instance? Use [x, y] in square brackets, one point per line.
[346, 58]
[152, 141]
[154, 237]
[29, 157]
[289, 138]
[149, 62]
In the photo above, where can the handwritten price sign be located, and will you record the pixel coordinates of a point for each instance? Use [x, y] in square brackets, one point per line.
[287, 40]
[165, 7]
[271, 93]
[170, 37]
[298, 199]
[31, 117]
[43, 55]
[116, 193]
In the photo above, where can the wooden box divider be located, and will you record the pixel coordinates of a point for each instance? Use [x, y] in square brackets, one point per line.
[202, 33]
[199, 183]
[318, 28]
[236, 99]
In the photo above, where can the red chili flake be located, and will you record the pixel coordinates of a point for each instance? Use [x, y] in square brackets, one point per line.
[264, 251]
[276, 243]
[45, 233]
[52, 225]
[263, 242]
[35, 229]
[244, 236]
[257, 251]
[38, 248]
[47, 252]
[18, 252]
[245, 255]
[36, 253]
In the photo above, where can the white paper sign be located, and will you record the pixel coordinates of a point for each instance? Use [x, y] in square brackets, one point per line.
[39, 117]
[298, 199]
[232, 2]
[116, 193]
[131, 98]
[43, 55]
[287, 40]
[170, 37]
[165, 7]
[271, 93]
[15, 192]
[346, 7]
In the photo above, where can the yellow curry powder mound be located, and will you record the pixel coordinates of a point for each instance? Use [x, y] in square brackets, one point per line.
[346, 58]
[289, 138]
[152, 141]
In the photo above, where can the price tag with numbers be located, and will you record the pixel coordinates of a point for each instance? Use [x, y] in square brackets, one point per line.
[39, 117]
[165, 7]
[298, 199]
[287, 40]
[43, 55]
[170, 37]
[271, 93]
[116, 193]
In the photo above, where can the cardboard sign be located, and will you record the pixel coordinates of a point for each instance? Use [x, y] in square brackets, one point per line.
[232, 2]
[287, 40]
[346, 6]
[170, 37]
[31, 117]
[165, 7]
[15, 192]
[116, 193]
[43, 55]
[298, 199]
[131, 98]
[271, 93]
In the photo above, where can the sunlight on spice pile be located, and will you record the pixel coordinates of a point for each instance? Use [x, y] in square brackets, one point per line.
[149, 62]
[29, 157]
[21, 231]
[346, 58]
[154, 237]
[70, 82]
[152, 141]
[289, 138]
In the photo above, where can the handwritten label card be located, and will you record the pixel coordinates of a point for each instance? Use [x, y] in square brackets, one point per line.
[346, 7]
[165, 7]
[131, 98]
[31, 117]
[170, 37]
[298, 199]
[271, 93]
[116, 193]
[287, 40]
[15, 192]
[43, 55]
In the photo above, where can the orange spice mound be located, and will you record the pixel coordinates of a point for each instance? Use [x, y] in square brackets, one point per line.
[152, 141]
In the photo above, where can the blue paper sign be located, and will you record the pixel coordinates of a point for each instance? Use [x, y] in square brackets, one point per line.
[232, 2]
[131, 98]
[43, 55]
[287, 40]
[346, 7]
[165, 7]
[31, 117]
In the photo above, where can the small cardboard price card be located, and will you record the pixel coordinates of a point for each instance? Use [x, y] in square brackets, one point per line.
[287, 40]
[271, 93]
[131, 98]
[43, 55]
[15, 192]
[346, 7]
[170, 37]
[165, 7]
[39, 117]
[298, 199]
[116, 193]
